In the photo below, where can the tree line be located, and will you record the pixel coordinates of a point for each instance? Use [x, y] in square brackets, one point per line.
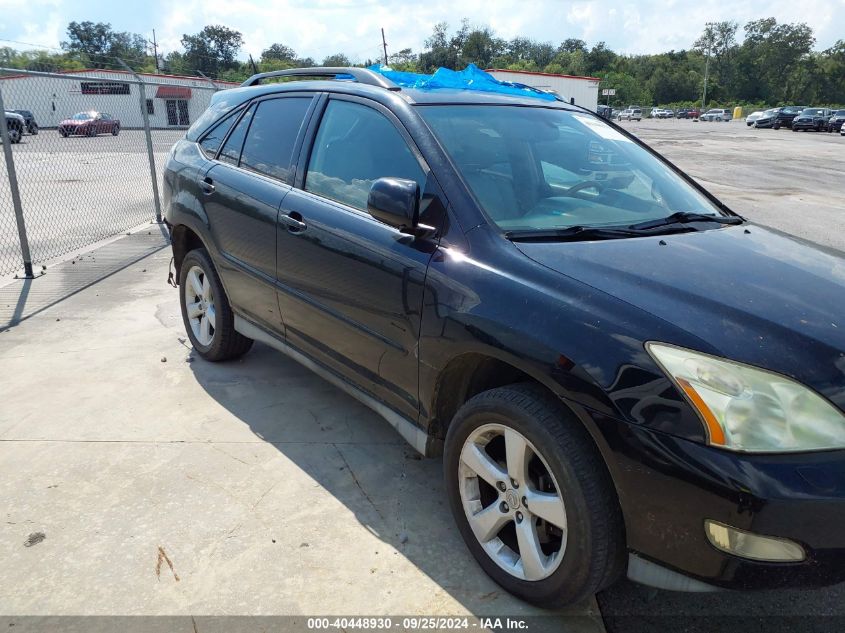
[765, 64]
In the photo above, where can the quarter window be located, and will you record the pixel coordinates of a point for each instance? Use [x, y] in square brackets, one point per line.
[211, 142]
[231, 152]
[269, 143]
[355, 146]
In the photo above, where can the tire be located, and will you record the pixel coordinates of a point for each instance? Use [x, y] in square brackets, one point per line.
[776, 126]
[115, 130]
[64, 133]
[14, 135]
[33, 129]
[593, 554]
[224, 343]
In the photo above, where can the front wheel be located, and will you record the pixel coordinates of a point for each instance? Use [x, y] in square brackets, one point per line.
[532, 497]
[206, 312]
[33, 129]
[115, 130]
[14, 135]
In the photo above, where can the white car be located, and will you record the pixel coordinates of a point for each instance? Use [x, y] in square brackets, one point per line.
[631, 115]
[717, 114]
[751, 118]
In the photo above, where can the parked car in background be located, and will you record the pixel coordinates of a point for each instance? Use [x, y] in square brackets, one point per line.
[751, 118]
[688, 113]
[620, 374]
[665, 113]
[604, 111]
[89, 124]
[834, 123]
[16, 125]
[29, 121]
[631, 115]
[812, 119]
[717, 114]
[614, 114]
[786, 115]
[767, 119]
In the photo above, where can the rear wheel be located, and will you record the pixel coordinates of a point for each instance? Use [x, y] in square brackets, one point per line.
[206, 312]
[532, 497]
[115, 130]
[33, 129]
[14, 135]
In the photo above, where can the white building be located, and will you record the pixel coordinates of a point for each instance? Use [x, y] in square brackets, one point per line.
[585, 90]
[172, 101]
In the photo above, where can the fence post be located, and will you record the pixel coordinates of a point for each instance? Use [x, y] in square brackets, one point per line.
[16, 194]
[208, 79]
[142, 100]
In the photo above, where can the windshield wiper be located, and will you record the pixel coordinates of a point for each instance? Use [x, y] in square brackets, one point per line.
[682, 217]
[578, 232]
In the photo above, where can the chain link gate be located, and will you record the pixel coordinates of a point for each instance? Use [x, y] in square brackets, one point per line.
[83, 161]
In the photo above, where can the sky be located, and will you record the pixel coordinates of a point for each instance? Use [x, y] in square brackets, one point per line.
[317, 28]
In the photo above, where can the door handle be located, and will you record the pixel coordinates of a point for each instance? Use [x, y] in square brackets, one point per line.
[294, 222]
[207, 185]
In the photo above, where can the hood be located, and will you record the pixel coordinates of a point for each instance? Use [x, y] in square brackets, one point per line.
[14, 115]
[75, 122]
[749, 293]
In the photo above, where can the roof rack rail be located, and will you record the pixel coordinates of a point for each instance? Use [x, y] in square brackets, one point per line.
[361, 75]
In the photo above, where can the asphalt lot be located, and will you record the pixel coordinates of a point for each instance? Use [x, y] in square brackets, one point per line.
[791, 181]
[78, 190]
[212, 463]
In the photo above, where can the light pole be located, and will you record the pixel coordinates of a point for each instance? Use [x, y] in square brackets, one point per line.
[710, 36]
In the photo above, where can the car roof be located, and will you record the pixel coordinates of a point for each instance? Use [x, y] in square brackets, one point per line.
[410, 95]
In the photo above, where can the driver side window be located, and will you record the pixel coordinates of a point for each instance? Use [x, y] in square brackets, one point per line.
[355, 146]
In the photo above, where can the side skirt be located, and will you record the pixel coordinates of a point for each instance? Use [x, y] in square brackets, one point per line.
[412, 434]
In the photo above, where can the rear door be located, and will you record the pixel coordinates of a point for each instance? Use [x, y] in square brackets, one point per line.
[243, 189]
[350, 287]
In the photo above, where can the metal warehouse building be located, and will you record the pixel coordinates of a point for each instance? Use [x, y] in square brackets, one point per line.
[172, 101]
[585, 90]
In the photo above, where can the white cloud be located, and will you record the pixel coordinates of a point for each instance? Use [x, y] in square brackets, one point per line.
[318, 28]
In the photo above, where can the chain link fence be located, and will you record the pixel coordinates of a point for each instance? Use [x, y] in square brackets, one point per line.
[85, 151]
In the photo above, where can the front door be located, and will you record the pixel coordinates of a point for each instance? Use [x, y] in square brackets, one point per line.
[177, 112]
[350, 287]
[172, 114]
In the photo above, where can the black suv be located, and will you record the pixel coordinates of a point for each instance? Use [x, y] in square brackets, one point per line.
[622, 375]
[785, 116]
[29, 120]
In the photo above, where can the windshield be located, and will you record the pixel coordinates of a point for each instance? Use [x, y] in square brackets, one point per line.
[534, 168]
[812, 111]
[82, 116]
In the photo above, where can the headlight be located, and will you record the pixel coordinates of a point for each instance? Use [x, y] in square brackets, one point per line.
[745, 408]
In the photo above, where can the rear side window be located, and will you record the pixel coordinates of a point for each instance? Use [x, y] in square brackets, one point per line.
[212, 141]
[355, 146]
[231, 152]
[269, 143]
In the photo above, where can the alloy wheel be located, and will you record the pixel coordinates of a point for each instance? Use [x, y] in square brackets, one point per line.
[512, 502]
[199, 305]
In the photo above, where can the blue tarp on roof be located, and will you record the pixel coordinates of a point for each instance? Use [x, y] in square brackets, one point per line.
[470, 78]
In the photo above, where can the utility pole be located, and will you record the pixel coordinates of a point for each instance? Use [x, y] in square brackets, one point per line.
[384, 44]
[710, 36]
[155, 49]
[254, 69]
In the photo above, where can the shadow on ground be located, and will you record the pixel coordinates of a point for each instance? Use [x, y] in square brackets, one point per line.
[392, 491]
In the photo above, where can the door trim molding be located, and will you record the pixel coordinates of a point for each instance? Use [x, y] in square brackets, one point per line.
[412, 434]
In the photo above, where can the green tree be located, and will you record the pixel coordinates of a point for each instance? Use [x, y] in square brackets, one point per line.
[213, 50]
[98, 46]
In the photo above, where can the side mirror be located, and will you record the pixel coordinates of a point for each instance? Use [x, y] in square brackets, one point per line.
[396, 202]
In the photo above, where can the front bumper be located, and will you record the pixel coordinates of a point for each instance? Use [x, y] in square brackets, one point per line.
[807, 125]
[668, 487]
